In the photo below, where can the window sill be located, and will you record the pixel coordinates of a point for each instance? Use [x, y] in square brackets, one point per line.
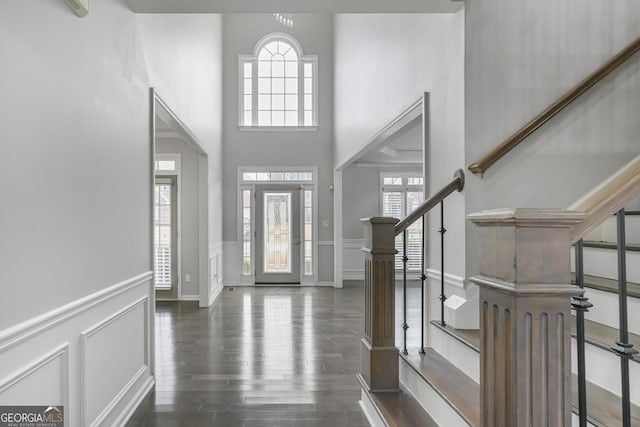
[162, 288]
[243, 128]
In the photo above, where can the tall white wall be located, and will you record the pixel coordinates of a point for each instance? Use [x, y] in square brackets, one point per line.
[384, 63]
[519, 59]
[183, 53]
[76, 211]
[277, 149]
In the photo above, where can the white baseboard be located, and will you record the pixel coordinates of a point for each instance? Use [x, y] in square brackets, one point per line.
[190, 298]
[215, 293]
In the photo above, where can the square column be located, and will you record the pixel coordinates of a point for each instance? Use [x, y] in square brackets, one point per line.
[525, 316]
[379, 355]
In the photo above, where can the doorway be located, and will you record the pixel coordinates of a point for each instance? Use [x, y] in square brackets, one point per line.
[278, 234]
[165, 237]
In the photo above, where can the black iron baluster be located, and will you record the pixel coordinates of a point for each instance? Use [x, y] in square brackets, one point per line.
[581, 305]
[405, 259]
[442, 295]
[624, 349]
[423, 277]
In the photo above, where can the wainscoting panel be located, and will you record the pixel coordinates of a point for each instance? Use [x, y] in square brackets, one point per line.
[215, 271]
[92, 355]
[352, 259]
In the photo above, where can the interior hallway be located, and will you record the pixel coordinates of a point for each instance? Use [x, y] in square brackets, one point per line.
[259, 356]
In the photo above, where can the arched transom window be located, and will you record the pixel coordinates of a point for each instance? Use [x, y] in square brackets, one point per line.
[278, 85]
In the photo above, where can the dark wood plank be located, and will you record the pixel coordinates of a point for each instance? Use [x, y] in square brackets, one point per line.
[401, 410]
[609, 285]
[468, 337]
[460, 391]
[268, 356]
[603, 407]
[604, 336]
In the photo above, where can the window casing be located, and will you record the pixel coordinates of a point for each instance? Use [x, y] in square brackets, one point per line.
[278, 86]
[401, 194]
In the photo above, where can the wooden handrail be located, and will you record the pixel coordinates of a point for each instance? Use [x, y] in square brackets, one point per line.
[456, 184]
[607, 198]
[483, 164]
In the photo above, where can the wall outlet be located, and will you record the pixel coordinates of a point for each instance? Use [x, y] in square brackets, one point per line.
[187, 278]
[325, 223]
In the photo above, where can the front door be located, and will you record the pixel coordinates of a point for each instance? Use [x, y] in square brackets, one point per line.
[277, 234]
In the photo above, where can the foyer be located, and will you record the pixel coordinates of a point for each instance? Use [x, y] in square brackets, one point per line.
[258, 357]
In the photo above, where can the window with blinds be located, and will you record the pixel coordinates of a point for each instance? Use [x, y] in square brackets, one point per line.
[163, 241]
[401, 194]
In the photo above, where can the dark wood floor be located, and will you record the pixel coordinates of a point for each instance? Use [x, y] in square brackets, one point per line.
[275, 356]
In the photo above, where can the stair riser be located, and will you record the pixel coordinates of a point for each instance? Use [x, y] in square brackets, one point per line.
[604, 263]
[605, 309]
[575, 421]
[430, 400]
[603, 369]
[465, 358]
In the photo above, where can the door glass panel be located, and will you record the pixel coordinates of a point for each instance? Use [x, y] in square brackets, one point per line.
[277, 232]
[163, 225]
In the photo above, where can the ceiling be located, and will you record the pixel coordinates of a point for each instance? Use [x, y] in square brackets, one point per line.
[295, 6]
[403, 148]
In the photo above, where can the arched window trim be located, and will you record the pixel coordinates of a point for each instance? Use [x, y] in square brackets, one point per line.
[249, 64]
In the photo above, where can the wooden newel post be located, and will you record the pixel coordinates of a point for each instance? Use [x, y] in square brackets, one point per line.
[525, 319]
[379, 355]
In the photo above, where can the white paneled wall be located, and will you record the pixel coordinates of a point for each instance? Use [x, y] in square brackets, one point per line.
[83, 343]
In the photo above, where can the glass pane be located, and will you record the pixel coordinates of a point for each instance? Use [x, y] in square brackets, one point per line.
[414, 199]
[414, 181]
[283, 47]
[291, 69]
[264, 118]
[277, 232]
[264, 85]
[291, 85]
[162, 232]
[277, 85]
[291, 102]
[248, 86]
[308, 102]
[277, 118]
[166, 165]
[308, 69]
[272, 47]
[264, 68]
[264, 102]
[264, 176]
[246, 196]
[277, 102]
[392, 204]
[248, 102]
[308, 118]
[308, 86]
[291, 55]
[264, 55]
[249, 176]
[306, 176]
[248, 118]
[277, 69]
[291, 176]
[248, 70]
[291, 118]
[277, 176]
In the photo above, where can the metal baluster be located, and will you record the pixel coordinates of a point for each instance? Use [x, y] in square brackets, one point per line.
[442, 295]
[423, 277]
[624, 349]
[405, 259]
[581, 305]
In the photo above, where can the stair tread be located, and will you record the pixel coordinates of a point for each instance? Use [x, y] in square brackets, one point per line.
[610, 285]
[603, 407]
[604, 336]
[610, 245]
[460, 391]
[401, 410]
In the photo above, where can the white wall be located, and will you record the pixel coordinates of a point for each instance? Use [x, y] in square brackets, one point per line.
[521, 58]
[184, 56]
[76, 213]
[183, 53]
[277, 149]
[384, 63]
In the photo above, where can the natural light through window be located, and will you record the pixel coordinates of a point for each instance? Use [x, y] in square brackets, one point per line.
[277, 85]
[401, 194]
